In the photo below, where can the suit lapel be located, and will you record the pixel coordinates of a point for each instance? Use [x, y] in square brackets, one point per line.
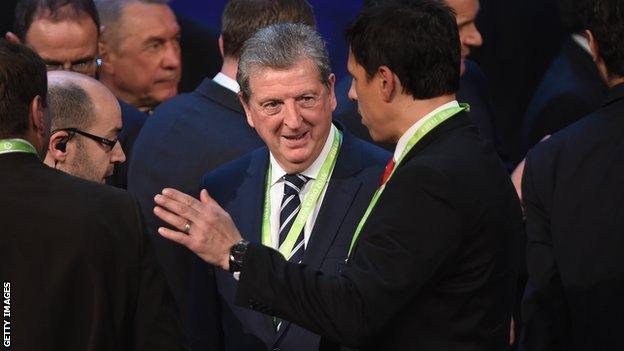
[341, 192]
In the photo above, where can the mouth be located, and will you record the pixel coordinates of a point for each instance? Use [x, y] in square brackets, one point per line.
[295, 139]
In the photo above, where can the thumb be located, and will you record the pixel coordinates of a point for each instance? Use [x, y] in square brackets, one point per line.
[205, 198]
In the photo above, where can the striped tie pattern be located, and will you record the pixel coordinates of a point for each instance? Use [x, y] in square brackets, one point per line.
[291, 203]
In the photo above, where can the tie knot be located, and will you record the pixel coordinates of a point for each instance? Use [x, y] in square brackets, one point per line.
[293, 183]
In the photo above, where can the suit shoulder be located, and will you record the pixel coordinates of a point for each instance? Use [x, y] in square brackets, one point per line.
[232, 171]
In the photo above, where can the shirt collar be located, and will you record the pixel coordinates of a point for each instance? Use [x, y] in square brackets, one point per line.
[277, 172]
[402, 143]
[226, 82]
[582, 42]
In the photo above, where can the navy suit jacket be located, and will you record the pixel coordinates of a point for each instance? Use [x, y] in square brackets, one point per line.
[216, 323]
[573, 192]
[132, 120]
[188, 136]
[571, 89]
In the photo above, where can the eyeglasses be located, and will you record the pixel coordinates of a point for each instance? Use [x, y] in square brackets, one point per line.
[82, 66]
[72, 131]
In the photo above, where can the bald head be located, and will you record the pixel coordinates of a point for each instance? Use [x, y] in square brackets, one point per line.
[76, 100]
[86, 120]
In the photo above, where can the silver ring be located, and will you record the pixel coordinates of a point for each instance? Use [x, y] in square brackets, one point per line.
[187, 227]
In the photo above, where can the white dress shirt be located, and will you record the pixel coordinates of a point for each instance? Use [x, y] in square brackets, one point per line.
[226, 82]
[277, 190]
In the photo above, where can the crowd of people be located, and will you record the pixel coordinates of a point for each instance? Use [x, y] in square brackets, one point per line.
[275, 207]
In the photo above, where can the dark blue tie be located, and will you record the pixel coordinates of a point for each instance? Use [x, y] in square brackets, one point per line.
[291, 203]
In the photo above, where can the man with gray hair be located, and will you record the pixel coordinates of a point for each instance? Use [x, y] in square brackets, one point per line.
[86, 120]
[315, 178]
[194, 133]
[140, 51]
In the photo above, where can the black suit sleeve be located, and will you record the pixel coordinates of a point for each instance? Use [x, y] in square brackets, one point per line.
[156, 322]
[543, 308]
[396, 256]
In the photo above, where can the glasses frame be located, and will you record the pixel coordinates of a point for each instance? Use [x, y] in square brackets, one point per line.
[110, 143]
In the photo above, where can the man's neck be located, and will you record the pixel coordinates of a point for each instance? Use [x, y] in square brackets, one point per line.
[410, 111]
[230, 67]
[126, 97]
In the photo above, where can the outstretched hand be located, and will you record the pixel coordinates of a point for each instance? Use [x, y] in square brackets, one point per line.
[200, 225]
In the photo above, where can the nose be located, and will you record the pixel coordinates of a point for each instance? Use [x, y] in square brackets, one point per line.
[352, 94]
[292, 117]
[117, 154]
[171, 58]
[472, 36]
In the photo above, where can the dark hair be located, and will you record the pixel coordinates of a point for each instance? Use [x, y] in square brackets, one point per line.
[242, 18]
[572, 14]
[69, 105]
[22, 78]
[26, 11]
[419, 43]
[605, 19]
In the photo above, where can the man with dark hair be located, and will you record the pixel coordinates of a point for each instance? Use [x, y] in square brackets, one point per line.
[571, 87]
[472, 87]
[433, 261]
[75, 276]
[195, 133]
[140, 50]
[573, 193]
[86, 120]
[63, 32]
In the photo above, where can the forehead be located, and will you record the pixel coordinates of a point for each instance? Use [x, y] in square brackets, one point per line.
[64, 40]
[141, 21]
[465, 10]
[302, 77]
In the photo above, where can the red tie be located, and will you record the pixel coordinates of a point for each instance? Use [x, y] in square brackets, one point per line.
[387, 171]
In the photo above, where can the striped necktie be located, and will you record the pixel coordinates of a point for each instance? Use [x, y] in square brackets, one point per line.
[291, 203]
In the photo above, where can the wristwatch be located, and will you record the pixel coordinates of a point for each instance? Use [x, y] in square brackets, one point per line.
[237, 256]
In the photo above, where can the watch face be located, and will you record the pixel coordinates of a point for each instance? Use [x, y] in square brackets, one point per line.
[237, 254]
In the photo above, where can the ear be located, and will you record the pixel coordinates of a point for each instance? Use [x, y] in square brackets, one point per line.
[387, 83]
[332, 92]
[105, 56]
[221, 50]
[593, 45]
[58, 153]
[247, 110]
[38, 117]
[12, 38]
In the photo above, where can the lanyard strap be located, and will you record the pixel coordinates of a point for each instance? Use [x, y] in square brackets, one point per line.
[429, 125]
[16, 145]
[308, 204]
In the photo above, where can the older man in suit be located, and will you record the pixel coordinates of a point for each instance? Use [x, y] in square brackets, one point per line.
[433, 262]
[195, 133]
[315, 178]
[573, 193]
[76, 267]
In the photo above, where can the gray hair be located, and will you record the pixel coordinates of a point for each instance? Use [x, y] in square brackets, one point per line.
[110, 11]
[281, 46]
[69, 105]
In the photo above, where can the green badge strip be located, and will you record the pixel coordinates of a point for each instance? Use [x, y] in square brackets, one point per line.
[16, 145]
[308, 204]
[428, 126]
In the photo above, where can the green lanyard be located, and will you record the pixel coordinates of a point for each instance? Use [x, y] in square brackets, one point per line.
[429, 125]
[16, 145]
[308, 204]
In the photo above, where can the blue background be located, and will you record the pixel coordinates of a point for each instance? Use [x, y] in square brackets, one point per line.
[332, 18]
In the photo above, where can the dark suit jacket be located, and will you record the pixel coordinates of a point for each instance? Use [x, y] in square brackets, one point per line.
[132, 121]
[571, 88]
[188, 136]
[573, 193]
[239, 186]
[435, 265]
[81, 271]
